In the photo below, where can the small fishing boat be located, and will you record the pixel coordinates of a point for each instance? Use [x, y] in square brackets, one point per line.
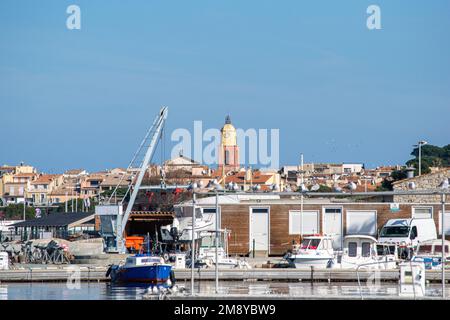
[364, 251]
[142, 268]
[314, 251]
[430, 253]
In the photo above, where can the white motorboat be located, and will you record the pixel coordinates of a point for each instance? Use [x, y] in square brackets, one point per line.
[314, 251]
[207, 252]
[365, 252]
[181, 228]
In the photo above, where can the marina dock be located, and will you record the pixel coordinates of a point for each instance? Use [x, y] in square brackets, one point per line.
[98, 273]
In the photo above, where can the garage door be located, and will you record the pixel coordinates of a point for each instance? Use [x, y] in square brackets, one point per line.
[310, 222]
[362, 222]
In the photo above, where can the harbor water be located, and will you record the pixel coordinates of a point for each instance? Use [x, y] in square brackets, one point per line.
[108, 291]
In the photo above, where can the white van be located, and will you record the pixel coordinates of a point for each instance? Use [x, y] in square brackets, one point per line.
[408, 233]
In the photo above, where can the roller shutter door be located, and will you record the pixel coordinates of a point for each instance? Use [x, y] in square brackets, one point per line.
[362, 222]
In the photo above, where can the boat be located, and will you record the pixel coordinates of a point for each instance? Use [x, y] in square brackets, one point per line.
[207, 252]
[313, 251]
[181, 228]
[430, 253]
[142, 268]
[363, 251]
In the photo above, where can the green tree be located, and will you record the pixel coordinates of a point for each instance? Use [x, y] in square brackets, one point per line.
[432, 156]
[15, 212]
[387, 183]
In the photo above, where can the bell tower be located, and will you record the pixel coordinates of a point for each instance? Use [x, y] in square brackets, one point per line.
[228, 149]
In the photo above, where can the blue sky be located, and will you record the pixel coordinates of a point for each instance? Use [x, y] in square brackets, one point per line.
[337, 91]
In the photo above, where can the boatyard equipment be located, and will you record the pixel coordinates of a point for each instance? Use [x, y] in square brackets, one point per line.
[412, 279]
[4, 260]
[140, 162]
[134, 243]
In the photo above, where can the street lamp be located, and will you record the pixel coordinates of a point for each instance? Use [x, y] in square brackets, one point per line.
[303, 189]
[420, 144]
[193, 186]
[444, 187]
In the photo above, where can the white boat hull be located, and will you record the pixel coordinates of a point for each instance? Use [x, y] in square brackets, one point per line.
[366, 265]
[321, 262]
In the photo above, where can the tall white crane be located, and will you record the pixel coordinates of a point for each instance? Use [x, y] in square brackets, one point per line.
[140, 162]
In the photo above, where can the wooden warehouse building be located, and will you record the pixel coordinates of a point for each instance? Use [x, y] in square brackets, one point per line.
[270, 223]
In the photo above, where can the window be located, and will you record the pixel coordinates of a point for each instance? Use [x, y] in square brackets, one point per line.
[310, 222]
[383, 250]
[446, 222]
[414, 232]
[352, 249]
[395, 231]
[422, 212]
[438, 249]
[227, 157]
[425, 250]
[311, 244]
[365, 249]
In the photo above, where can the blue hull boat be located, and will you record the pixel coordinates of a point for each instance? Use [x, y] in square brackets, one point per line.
[142, 268]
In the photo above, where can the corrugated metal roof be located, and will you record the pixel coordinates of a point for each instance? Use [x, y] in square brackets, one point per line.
[56, 220]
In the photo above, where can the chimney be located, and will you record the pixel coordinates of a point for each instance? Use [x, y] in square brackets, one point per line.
[410, 172]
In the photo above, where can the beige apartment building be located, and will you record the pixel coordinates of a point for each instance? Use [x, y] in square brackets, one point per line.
[12, 190]
[40, 189]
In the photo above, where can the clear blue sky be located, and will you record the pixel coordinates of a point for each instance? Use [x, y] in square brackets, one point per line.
[337, 91]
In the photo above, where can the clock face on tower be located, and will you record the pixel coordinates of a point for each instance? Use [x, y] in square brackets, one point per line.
[227, 134]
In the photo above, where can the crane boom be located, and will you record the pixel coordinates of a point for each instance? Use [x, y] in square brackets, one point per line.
[155, 133]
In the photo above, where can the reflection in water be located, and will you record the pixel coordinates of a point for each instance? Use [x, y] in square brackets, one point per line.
[106, 291]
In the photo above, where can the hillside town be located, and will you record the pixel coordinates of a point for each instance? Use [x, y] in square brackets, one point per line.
[177, 207]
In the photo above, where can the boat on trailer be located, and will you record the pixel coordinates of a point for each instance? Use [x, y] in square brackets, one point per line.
[142, 268]
[314, 251]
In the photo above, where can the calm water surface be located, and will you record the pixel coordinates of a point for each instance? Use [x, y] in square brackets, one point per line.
[107, 291]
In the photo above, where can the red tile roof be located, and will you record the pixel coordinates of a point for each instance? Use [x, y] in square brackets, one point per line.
[45, 178]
